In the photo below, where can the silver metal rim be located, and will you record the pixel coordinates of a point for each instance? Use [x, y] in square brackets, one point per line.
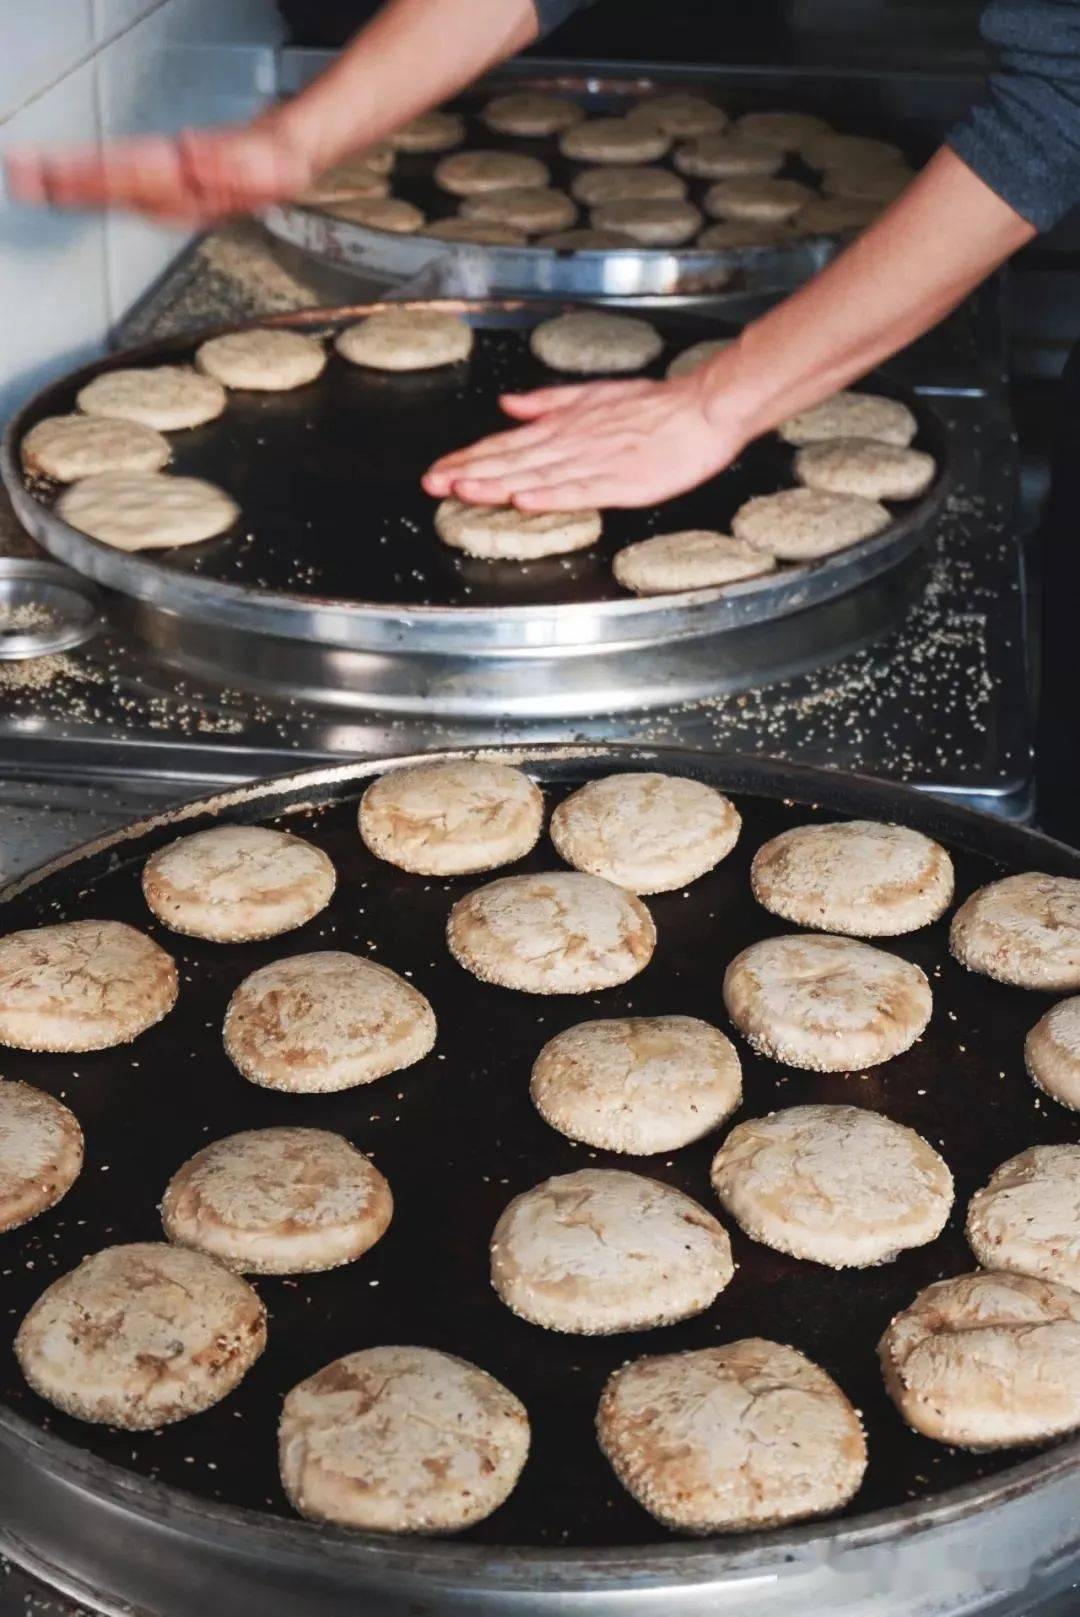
[469, 631]
[685, 1562]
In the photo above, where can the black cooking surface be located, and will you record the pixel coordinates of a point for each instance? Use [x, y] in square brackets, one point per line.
[457, 1137]
[327, 476]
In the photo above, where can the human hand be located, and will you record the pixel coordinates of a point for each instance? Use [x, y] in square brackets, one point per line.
[197, 176]
[595, 444]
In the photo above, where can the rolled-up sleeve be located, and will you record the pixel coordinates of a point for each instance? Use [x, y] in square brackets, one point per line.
[1023, 137]
[552, 12]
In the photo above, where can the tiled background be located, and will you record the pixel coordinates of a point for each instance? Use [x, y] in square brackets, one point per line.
[82, 70]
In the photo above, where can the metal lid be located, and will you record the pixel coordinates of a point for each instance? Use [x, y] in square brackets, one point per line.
[43, 608]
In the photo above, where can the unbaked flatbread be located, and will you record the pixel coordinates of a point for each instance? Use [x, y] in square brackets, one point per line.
[400, 218]
[141, 1336]
[785, 131]
[70, 447]
[614, 140]
[531, 113]
[236, 883]
[1052, 1053]
[262, 361]
[1027, 1219]
[406, 340]
[601, 1251]
[560, 933]
[401, 1440]
[837, 1185]
[616, 183]
[317, 1023]
[803, 524]
[451, 819]
[430, 132]
[584, 238]
[730, 1439]
[469, 173]
[852, 415]
[728, 157]
[699, 353]
[680, 115]
[765, 200]
[530, 208]
[167, 397]
[730, 235]
[503, 533]
[147, 510]
[648, 832]
[694, 560]
[660, 223]
[357, 183]
[82, 985]
[826, 1004]
[835, 216]
[481, 232]
[588, 340]
[278, 1201]
[863, 466]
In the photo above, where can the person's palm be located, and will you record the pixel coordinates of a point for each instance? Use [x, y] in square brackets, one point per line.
[200, 175]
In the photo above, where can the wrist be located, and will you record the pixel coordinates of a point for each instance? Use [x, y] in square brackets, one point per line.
[292, 125]
[729, 406]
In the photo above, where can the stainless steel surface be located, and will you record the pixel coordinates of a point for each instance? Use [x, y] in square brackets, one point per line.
[43, 608]
[105, 1530]
[422, 638]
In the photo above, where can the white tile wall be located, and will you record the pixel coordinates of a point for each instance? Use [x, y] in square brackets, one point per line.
[107, 68]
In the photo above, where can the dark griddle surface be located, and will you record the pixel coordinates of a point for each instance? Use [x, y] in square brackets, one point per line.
[457, 1137]
[327, 477]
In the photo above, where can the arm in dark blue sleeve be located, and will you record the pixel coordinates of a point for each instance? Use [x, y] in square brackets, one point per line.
[1023, 138]
[550, 13]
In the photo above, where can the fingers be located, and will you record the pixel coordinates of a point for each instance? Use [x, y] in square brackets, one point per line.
[527, 406]
[501, 447]
[572, 494]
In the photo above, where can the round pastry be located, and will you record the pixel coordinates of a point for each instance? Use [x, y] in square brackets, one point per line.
[835, 216]
[589, 340]
[165, 397]
[698, 354]
[733, 1438]
[834, 1184]
[856, 877]
[379, 213]
[503, 533]
[561, 933]
[863, 466]
[595, 186]
[804, 524]
[784, 131]
[450, 819]
[531, 113]
[401, 1440]
[477, 232]
[614, 140]
[1052, 1053]
[602, 1251]
[827, 149]
[234, 883]
[469, 173]
[728, 157]
[687, 561]
[680, 115]
[852, 415]
[768, 200]
[141, 1336]
[430, 132]
[826, 1004]
[70, 447]
[316, 1023]
[529, 208]
[637, 1084]
[732, 235]
[406, 340]
[147, 510]
[82, 985]
[279, 1201]
[41, 1152]
[262, 361]
[660, 223]
[1027, 1219]
[1023, 930]
[583, 238]
[357, 183]
[987, 1361]
[648, 832]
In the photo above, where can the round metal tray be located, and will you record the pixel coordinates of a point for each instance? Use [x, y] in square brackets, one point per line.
[43, 609]
[455, 269]
[336, 547]
[155, 1522]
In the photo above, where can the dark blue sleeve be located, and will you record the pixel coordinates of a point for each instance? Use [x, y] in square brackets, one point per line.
[552, 12]
[1023, 137]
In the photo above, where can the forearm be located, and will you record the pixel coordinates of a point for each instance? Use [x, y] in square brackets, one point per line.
[944, 236]
[413, 54]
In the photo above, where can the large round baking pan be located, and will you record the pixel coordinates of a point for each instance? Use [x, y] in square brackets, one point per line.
[335, 544]
[193, 1519]
[612, 274]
